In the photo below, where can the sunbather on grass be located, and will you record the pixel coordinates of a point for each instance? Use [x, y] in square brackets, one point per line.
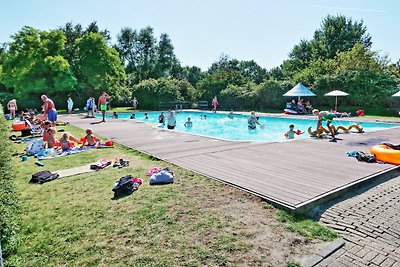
[89, 138]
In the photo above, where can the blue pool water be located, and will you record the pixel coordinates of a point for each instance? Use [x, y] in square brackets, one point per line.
[218, 125]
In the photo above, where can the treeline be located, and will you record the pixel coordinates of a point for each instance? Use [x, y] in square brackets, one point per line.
[82, 62]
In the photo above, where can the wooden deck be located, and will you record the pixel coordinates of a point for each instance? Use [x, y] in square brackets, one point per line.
[296, 175]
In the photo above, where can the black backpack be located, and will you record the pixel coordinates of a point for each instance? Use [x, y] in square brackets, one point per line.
[124, 186]
[43, 177]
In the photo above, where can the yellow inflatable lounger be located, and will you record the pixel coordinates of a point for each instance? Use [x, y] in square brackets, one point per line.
[386, 154]
[336, 129]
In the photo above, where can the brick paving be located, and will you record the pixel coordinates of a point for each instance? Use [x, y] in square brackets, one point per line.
[370, 225]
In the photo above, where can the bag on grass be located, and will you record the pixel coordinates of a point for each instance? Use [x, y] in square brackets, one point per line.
[43, 177]
[125, 186]
[34, 146]
[165, 176]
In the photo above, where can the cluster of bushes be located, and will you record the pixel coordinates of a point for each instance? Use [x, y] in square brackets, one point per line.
[9, 208]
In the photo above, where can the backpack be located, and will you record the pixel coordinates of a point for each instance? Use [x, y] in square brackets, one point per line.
[125, 186]
[34, 146]
[43, 177]
[163, 177]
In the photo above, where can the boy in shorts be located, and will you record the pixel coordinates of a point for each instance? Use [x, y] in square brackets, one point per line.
[328, 117]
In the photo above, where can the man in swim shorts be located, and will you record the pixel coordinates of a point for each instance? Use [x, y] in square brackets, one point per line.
[328, 117]
[49, 110]
[102, 104]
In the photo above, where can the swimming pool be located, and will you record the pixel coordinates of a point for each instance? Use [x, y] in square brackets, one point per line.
[218, 125]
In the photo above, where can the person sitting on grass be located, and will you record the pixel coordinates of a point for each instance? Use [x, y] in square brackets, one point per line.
[65, 141]
[50, 137]
[89, 138]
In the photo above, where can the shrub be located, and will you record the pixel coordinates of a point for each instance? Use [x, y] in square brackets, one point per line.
[9, 208]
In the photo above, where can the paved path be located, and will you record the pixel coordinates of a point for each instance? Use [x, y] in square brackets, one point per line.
[296, 174]
[370, 225]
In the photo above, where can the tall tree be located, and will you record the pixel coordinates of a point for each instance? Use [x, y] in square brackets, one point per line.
[99, 65]
[34, 63]
[338, 34]
[167, 64]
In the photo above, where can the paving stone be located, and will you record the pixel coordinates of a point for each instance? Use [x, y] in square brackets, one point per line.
[388, 262]
[379, 259]
[370, 256]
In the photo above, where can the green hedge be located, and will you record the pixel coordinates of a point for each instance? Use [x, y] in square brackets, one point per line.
[9, 208]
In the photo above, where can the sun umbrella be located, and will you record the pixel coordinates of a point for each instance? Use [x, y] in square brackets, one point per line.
[397, 94]
[299, 90]
[336, 93]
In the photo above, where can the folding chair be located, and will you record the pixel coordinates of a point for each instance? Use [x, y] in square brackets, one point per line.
[35, 129]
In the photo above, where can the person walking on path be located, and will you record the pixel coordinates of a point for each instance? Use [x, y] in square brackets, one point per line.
[102, 104]
[134, 103]
[49, 110]
[12, 107]
[70, 105]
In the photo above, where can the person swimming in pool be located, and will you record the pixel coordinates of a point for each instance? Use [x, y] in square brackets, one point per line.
[325, 116]
[253, 121]
[188, 123]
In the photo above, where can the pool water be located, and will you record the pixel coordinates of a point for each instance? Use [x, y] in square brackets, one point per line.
[218, 125]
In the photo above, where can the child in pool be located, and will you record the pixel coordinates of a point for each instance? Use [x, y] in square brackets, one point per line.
[115, 115]
[189, 123]
[290, 134]
[145, 116]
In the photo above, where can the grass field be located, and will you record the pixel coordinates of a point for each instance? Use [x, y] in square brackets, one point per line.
[74, 221]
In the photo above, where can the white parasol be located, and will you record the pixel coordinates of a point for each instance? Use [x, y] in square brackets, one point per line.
[336, 93]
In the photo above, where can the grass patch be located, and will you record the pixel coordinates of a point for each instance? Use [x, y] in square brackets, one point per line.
[305, 227]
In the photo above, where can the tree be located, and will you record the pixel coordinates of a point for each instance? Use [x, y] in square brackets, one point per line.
[34, 65]
[100, 67]
[338, 34]
[167, 65]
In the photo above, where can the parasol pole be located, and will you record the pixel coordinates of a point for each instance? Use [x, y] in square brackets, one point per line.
[336, 104]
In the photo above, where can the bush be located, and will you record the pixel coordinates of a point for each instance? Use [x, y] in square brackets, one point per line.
[9, 208]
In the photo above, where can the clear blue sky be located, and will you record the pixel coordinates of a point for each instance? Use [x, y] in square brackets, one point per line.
[202, 30]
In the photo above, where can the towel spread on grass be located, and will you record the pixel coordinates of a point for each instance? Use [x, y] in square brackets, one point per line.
[51, 153]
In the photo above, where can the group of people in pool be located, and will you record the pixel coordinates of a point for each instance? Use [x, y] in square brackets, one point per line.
[252, 122]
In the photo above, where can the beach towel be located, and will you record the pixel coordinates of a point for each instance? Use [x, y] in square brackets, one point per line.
[71, 151]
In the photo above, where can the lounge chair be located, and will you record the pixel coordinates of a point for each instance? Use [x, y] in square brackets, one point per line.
[35, 129]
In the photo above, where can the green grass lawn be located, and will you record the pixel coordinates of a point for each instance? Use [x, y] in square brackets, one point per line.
[74, 221]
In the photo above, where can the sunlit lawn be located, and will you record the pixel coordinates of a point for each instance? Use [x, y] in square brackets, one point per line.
[73, 221]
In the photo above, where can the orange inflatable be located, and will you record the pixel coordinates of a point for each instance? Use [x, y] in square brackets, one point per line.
[386, 154]
[20, 126]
